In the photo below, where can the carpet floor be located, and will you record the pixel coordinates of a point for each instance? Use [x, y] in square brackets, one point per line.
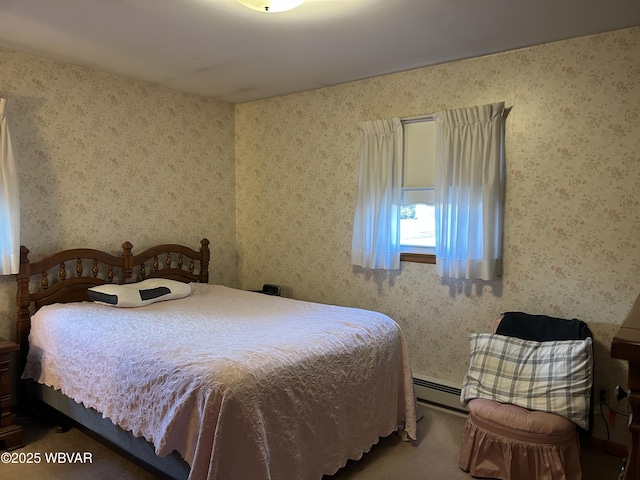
[433, 456]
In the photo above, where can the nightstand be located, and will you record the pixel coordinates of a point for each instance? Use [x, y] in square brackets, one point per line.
[10, 433]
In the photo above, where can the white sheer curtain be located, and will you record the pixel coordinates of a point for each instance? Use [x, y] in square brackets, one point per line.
[9, 201]
[376, 228]
[469, 192]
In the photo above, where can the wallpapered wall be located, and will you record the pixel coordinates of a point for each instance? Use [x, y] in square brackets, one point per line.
[103, 160]
[572, 225]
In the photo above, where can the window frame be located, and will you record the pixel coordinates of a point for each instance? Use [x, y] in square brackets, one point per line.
[418, 258]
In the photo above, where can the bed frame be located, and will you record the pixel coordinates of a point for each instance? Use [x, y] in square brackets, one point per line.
[65, 277]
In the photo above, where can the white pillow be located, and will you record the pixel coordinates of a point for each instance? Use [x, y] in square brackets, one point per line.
[554, 376]
[139, 294]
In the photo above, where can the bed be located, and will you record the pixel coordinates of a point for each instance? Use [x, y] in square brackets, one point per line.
[218, 384]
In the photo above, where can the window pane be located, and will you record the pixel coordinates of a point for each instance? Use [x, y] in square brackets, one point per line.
[418, 225]
[419, 154]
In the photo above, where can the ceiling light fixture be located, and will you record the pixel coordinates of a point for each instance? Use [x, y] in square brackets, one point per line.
[270, 6]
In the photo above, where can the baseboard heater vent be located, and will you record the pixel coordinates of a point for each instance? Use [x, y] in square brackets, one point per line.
[438, 393]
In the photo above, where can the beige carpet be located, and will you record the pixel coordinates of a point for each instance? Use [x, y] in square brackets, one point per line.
[435, 456]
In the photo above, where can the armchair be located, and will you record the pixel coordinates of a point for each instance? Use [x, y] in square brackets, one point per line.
[528, 389]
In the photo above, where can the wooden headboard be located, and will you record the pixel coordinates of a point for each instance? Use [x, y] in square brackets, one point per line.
[65, 276]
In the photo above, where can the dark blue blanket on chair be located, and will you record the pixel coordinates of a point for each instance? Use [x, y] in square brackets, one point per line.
[541, 328]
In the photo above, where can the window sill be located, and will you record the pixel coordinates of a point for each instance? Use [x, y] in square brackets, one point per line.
[418, 258]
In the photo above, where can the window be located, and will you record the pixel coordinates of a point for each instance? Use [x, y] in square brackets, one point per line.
[417, 212]
[466, 190]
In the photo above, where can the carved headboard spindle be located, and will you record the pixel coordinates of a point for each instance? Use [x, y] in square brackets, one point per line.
[62, 273]
[44, 281]
[94, 269]
[79, 267]
[204, 261]
[167, 262]
[180, 261]
[156, 264]
[143, 271]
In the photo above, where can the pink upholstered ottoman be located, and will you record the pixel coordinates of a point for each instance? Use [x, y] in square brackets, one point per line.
[512, 443]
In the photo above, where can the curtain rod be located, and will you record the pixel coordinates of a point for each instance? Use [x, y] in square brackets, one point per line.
[418, 118]
[432, 116]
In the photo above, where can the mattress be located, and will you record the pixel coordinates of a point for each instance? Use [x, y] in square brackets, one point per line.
[241, 385]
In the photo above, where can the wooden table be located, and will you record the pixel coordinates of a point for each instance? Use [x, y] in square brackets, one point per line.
[10, 433]
[626, 346]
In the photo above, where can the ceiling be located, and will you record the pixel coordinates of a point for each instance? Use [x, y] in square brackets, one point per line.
[222, 50]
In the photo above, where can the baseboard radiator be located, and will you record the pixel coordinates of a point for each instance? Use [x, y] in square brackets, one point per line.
[439, 393]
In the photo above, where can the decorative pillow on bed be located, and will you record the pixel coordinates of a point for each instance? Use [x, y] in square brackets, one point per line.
[139, 294]
[554, 376]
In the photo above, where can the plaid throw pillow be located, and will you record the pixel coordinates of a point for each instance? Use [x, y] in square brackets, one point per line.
[553, 376]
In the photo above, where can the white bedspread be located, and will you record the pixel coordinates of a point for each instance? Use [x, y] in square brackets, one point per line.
[242, 385]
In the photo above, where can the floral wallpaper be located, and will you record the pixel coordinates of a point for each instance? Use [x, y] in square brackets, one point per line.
[572, 225]
[272, 184]
[104, 159]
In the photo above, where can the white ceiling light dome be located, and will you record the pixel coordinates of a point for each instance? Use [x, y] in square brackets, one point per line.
[271, 6]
